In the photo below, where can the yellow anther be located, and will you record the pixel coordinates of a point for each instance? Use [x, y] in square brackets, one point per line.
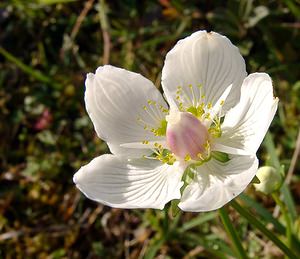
[207, 116]
[222, 102]
[203, 96]
[209, 105]
[206, 145]
[199, 155]
[144, 107]
[187, 158]
[145, 142]
[190, 86]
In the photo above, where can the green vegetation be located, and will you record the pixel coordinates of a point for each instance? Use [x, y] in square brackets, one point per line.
[47, 47]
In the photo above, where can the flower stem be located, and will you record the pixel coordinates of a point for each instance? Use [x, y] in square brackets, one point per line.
[166, 221]
[257, 224]
[286, 217]
[232, 233]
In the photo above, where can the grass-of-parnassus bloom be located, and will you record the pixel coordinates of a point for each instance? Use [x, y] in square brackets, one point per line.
[196, 145]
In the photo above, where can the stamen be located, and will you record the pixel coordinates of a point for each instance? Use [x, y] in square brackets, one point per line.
[199, 155]
[156, 111]
[194, 102]
[163, 155]
[145, 123]
[200, 91]
[162, 109]
[207, 116]
[181, 93]
[187, 158]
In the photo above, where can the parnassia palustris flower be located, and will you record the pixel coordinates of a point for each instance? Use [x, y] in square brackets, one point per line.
[198, 145]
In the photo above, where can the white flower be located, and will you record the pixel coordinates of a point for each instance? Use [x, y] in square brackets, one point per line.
[201, 149]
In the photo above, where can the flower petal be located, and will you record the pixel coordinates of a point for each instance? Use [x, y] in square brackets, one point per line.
[121, 104]
[129, 183]
[217, 183]
[217, 109]
[206, 59]
[246, 124]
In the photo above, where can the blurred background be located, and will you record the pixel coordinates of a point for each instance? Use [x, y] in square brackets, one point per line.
[46, 49]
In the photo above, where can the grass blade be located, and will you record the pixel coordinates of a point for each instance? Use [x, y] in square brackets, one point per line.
[232, 234]
[258, 225]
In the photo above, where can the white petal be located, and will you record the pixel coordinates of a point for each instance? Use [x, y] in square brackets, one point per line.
[217, 109]
[246, 124]
[135, 183]
[115, 99]
[218, 183]
[207, 59]
[227, 149]
[150, 144]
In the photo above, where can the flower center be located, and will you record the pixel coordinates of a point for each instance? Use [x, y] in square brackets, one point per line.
[190, 127]
[187, 137]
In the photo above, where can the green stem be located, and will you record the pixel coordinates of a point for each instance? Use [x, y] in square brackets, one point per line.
[257, 224]
[232, 233]
[286, 217]
[166, 221]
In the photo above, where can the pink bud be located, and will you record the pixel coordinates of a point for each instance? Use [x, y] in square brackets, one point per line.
[186, 135]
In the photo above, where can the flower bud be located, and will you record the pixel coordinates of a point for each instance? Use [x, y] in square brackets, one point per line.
[270, 179]
[186, 135]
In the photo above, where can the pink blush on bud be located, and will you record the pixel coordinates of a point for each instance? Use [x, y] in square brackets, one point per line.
[186, 135]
